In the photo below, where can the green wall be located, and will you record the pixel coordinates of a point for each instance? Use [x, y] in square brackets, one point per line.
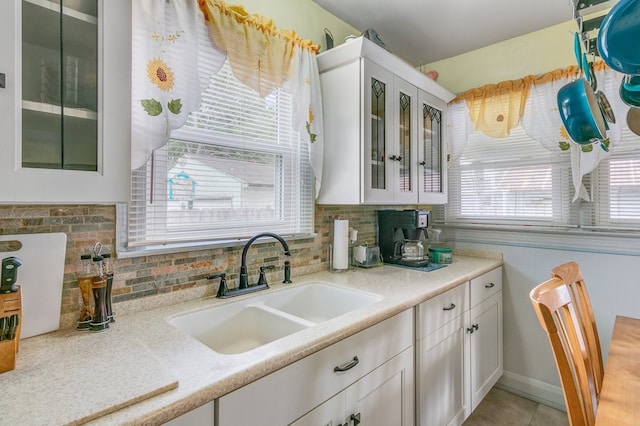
[534, 53]
[303, 16]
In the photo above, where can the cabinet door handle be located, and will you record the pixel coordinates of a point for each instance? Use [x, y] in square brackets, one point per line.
[473, 328]
[396, 157]
[423, 163]
[450, 307]
[347, 366]
[490, 285]
[355, 418]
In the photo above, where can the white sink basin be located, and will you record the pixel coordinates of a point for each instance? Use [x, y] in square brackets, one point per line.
[248, 324]
[318, 302]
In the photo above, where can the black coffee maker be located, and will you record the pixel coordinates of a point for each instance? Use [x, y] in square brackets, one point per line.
[400, 234]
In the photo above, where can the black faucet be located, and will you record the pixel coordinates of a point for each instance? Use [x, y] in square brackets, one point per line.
[244, 277]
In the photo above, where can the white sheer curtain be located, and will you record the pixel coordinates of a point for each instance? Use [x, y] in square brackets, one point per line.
[542, 122]
[169, 74]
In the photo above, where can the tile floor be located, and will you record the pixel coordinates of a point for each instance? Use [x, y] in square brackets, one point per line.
[503, 408]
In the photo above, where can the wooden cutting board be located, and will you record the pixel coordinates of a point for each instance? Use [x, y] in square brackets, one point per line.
[40, 277]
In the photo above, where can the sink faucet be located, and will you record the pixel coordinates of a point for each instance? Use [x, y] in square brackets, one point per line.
[244, 277]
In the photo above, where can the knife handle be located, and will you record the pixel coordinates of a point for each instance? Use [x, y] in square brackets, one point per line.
[13, 325]
[4, 327]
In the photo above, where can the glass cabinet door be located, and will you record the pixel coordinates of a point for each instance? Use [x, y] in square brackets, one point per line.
[432, 172]
[59, 84]
[404, 152]
[378, 133]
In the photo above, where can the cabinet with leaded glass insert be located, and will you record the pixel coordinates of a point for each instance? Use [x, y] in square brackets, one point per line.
[384, 125]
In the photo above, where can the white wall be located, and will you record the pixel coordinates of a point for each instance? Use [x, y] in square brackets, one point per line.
[614, 287]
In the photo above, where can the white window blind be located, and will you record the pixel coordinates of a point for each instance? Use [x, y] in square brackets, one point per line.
[512, 180]
[618, 184]
[235, 168]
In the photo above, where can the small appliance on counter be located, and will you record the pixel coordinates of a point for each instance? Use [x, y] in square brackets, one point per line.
[366, 257]
[401, 233]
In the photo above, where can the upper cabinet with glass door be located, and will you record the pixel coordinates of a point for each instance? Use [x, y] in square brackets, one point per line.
[67, 98]
[383, 129]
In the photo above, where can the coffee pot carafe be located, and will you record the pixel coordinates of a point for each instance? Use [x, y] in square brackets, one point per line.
[409, 250]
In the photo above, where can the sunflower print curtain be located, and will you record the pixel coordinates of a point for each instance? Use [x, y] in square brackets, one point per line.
[169, 74]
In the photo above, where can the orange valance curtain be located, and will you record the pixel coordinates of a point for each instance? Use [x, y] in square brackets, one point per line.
[495, 109]
[259, 53]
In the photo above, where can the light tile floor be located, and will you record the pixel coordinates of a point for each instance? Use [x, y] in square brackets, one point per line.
[503, 408]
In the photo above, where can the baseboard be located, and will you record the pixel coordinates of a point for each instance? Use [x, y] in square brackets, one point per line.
[535, 390]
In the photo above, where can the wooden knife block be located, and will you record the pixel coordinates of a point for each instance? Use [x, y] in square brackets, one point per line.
[10, 304]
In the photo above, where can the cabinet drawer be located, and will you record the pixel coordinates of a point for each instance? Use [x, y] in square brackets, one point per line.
[291, 392]
[436, 312]
[486, 285]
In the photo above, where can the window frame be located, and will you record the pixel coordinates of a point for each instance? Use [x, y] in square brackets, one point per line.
[288, 152]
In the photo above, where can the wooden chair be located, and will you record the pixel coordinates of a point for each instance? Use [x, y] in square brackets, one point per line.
[558, 317]
[571, 275]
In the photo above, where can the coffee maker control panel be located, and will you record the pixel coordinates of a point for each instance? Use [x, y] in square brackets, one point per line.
[423, 220]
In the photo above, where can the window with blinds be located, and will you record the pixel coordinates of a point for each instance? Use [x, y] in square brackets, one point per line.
[617, 184]
[516, 181]
[512, 180]
[235, 168]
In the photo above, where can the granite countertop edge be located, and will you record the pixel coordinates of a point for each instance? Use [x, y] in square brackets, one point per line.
[204, 375]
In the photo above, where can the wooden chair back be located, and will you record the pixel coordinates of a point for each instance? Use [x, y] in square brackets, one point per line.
[555, 309]
[571, 275]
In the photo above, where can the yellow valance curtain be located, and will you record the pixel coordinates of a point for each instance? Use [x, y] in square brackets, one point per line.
[259, 53]
[495, 109]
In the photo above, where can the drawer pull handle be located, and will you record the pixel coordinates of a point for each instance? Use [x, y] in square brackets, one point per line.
[450, 307]
[490, 285]
[473, 328]
[348, 366]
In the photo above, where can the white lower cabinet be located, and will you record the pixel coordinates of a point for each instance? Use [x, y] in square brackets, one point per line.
[368, 375]
[458, 350]
[486, 337]
[383, 397]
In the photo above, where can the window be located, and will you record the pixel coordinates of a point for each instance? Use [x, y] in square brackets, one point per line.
[618, 184]
[234, 169]
[509, 180]
[515, 180]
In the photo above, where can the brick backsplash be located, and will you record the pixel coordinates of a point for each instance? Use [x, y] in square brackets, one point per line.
[152, 275]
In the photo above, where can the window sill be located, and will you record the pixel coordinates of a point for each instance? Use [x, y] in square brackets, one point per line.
[592, 240]
[125, 252]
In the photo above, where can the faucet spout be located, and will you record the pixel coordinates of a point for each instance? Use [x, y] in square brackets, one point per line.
[244, 277]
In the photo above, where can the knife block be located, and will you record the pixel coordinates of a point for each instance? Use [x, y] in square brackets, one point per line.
[10, 304]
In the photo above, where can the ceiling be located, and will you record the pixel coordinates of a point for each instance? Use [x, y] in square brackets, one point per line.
[425, 31]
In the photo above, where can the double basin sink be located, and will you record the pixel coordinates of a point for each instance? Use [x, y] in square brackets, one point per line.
[244, 325]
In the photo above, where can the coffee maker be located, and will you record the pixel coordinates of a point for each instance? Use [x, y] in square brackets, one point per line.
[400, 234]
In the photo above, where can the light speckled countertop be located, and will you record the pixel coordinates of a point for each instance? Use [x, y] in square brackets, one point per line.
[146, 356]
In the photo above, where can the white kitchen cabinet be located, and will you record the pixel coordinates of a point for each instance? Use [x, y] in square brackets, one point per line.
[65, 122]
[458, 350]
[485, 334]
[384, 124]
[377, 364]
[383, 397]
[442, 358]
